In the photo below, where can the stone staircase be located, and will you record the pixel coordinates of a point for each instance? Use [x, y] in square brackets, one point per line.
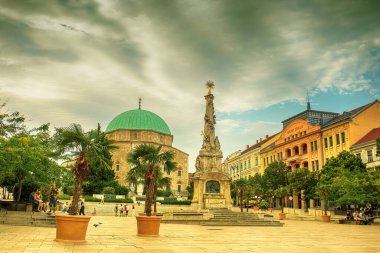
[225, 217]
[38, 219]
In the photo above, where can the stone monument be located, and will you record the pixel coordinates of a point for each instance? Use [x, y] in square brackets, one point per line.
[211, 184]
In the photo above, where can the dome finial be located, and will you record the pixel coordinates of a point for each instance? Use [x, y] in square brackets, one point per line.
[139, 103]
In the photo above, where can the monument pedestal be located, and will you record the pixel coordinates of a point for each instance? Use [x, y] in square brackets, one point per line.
[211, 191]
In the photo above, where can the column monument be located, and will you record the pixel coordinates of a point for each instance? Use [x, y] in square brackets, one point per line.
[211, 184]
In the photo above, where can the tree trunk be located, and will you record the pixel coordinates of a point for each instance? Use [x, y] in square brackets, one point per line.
[325, 204]
[155, 198]
[149, 183]
[241, 200]
[76, 196]
[281, 204]
[19, 189]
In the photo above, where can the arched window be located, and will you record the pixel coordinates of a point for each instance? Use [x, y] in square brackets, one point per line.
[296, 150]
[179, 172]
[117, 167]
[304, 148]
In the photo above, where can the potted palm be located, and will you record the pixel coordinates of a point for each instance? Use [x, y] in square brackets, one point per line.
[78, 146]
[281, 193]
[145, 159]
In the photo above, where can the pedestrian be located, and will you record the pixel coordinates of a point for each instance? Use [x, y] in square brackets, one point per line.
[126, 210]
[121, 210]
[116, 209]
[81, 211]
[53, 198]
[102, 199]
[133, 210]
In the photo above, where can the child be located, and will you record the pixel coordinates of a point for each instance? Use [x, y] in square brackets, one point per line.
[81, 211]
[121, 210]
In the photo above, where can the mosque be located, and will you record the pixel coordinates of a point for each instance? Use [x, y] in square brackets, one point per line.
[132, 128]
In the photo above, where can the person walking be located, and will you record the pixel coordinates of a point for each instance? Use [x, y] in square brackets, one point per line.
[116, 209]
[133, 210]
[126, 210]
[81, 211]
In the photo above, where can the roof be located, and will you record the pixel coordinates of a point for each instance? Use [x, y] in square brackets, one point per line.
[370, 136]
[138, 120]
[257, 145]
[348, 115]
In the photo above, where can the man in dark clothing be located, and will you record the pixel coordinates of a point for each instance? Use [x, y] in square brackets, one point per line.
[81, 211]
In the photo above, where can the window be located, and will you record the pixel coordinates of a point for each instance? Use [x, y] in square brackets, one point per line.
[257, 160]
[117, 167]
[317, 165]
[337, 139]
[326, 144]
[179, 188]
[369, 155]
[179, 172]
[249, 163]
[343, 135]
[245, 164]
[312, 146]
[161, 139]
[358, 156]
[134, 136]
[315, 146]
[331, 141]
[313, 165]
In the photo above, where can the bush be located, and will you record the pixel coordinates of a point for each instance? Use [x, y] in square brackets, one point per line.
[118, 200]
[174, 202]
[163, 193]
[108, 190]
[63, 197]
[263, 205]
[68, 189]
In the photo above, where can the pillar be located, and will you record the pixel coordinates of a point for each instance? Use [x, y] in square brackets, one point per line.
[311, 203]
[303, 200]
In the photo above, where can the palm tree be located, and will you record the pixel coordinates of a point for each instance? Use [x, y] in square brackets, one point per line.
[161, 182]
[80, 145]
[145, 160]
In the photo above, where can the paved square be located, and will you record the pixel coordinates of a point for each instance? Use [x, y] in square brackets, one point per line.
[118, 234]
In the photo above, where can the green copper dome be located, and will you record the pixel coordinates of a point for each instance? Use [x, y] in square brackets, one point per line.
[138, 120]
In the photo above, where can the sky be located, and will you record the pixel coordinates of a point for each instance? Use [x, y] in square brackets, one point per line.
[88, 61]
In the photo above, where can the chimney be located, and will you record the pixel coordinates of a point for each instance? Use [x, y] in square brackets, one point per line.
[247, 146]
[261, 139]
[257, 141]
[266, 136]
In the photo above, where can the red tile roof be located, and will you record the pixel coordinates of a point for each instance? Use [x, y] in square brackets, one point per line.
[371, 135]
[257, 145]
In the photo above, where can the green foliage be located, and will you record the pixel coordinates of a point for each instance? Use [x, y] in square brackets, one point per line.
[275, 175]
[264, 204]
[146, 162]
[25, 154]
[83, 148]
[63, 197]
[190, 189]
[108, 190]
[174, 202]
[164, 193]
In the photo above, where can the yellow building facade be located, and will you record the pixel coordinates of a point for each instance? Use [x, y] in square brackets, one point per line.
[342, 132]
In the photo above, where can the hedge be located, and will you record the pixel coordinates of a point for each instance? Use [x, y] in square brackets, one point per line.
[92, 199]
[174, 202]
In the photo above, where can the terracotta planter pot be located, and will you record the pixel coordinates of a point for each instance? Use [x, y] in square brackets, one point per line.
[281, 216]
[148, 225]
[71, 228]
[325, 218]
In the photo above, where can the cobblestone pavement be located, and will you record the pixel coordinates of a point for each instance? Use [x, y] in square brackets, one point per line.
[118, 234]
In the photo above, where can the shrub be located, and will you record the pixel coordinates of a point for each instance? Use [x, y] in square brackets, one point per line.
[163, 193]
[108, 190]
[119, 200]
[63, 197]
[263, 205]
[174, 202]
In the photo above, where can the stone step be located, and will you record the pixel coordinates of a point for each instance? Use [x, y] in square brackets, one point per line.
[232, 223]
[27, 218]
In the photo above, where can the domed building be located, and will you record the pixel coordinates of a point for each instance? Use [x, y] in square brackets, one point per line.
[132, 128]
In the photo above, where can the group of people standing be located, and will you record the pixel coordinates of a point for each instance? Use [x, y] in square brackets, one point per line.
[123, 210]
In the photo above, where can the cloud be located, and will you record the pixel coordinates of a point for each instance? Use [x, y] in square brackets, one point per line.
[87, 61]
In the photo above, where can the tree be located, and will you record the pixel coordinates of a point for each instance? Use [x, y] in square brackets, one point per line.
[275, 175]
[100, 176]
[79, 145]
[339, 175]
[240, 186]
[281, 193]
[146, 159]
[299, 180]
